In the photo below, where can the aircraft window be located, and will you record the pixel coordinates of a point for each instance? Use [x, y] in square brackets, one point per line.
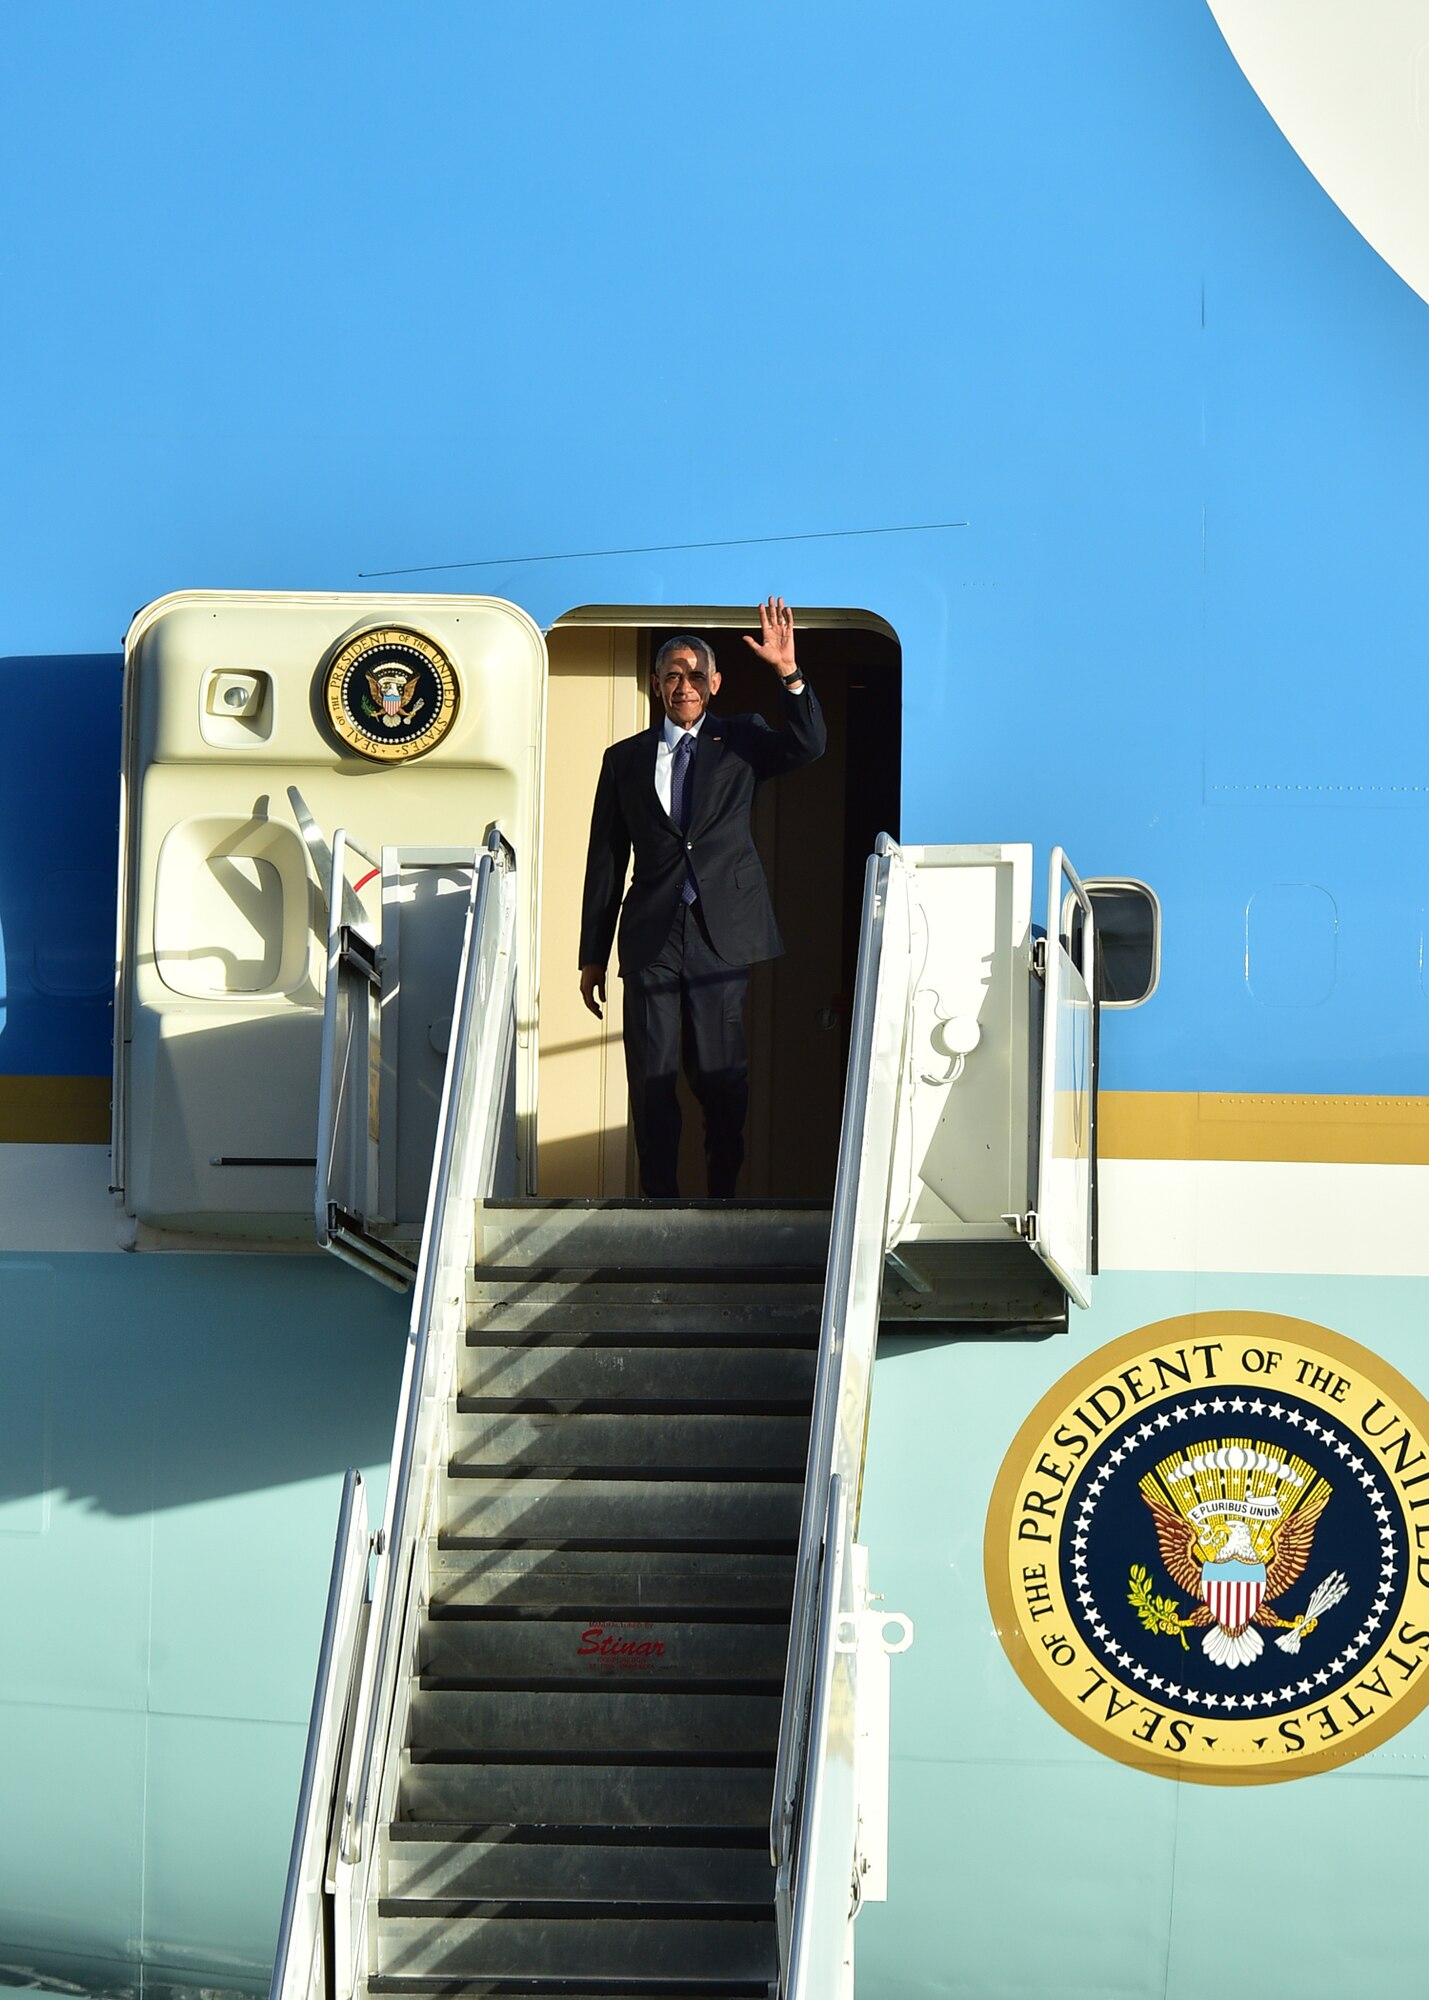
[1128, 941]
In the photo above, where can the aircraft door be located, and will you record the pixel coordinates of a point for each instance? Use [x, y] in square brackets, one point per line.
[413, 722]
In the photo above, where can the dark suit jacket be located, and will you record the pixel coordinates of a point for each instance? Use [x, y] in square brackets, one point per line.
[732, 754]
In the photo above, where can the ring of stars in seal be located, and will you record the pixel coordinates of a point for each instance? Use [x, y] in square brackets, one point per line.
[1208, 1549]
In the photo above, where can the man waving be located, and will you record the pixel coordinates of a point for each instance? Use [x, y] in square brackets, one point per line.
[698, 913]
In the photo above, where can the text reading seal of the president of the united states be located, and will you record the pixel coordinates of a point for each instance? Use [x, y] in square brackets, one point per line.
[390, 694]
[1207, 1553]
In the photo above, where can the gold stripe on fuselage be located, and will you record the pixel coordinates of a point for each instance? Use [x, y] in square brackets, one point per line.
[1244, 1125]
[1132, 1124]
[54, 1110]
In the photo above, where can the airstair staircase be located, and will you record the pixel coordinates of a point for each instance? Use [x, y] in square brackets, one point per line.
[584, 1801]
[602, 1708]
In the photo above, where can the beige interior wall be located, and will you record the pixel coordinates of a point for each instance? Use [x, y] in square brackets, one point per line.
[595, 697]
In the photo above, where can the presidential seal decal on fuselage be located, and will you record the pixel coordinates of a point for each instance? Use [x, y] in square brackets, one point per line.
[390, 694]
[1207, 1553]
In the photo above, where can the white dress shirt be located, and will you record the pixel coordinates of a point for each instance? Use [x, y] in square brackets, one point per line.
[664, 755]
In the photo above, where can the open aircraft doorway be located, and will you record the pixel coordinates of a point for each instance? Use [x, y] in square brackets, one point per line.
[814, 831]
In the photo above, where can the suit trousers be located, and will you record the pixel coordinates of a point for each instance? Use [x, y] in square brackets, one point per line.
[688, 1003]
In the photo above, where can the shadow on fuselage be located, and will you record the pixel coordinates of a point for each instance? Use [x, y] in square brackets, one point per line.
[146, 1382]
[155, 1380]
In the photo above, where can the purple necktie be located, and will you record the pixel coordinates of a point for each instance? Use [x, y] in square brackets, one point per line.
[680, 805]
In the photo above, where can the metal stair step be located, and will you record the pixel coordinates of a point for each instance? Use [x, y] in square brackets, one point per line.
[599, 1722]
[691, 1987]
[735, 1947]
[638, 1441]
[583, 1807]
[513, 1869]
[533, 1582]
[676, 1795]
[697, 1376]
[596, 1650]
[622, 1235]
[611, 1512]
[579, 1310]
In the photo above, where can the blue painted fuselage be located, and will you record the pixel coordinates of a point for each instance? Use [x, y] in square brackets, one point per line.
[1021, 327]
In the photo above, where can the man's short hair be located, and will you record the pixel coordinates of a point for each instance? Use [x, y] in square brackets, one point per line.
[686, 642]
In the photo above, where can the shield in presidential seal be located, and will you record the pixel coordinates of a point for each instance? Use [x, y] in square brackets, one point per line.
[1234, 1592]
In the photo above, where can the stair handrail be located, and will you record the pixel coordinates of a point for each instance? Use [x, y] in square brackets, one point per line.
[461, 1173]
[804, 1793]
[464, 1164]
[299, 1967]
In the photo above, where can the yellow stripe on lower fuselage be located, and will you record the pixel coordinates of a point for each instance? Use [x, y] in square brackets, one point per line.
[54, 1110]
[1132, 1124]
[1241, 1125]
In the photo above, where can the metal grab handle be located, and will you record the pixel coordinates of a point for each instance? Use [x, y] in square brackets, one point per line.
[1084, 958]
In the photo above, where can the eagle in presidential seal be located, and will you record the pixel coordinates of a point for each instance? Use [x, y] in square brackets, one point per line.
[1202, 1555]
[394, 699]
[1235, 1523]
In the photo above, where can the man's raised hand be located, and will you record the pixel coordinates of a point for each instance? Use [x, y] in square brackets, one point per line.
[775, 644]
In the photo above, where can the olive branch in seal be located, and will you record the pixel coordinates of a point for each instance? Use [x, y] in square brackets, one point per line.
[1157, 1614]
